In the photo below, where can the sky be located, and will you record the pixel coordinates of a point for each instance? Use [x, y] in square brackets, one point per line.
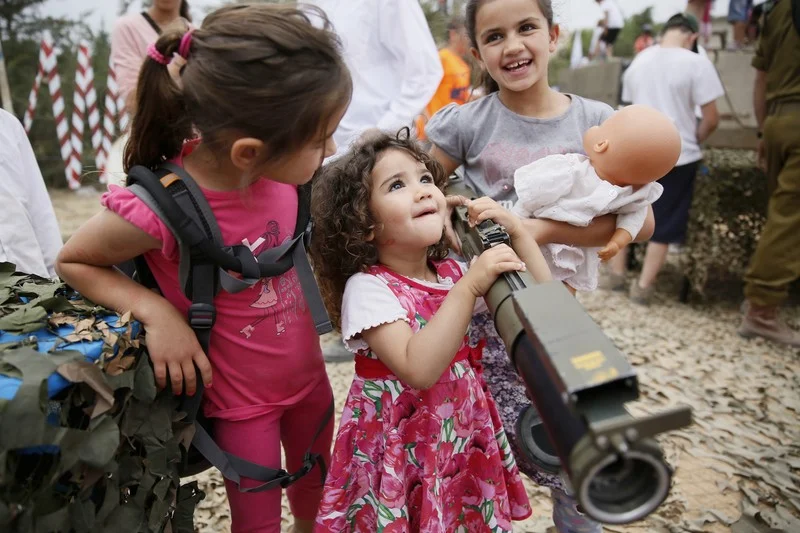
[571, 13]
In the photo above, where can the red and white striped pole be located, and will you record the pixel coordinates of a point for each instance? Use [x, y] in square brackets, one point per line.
[50, 69]
[27, 119]
[92, 112]
[83, 78]
[109, 127]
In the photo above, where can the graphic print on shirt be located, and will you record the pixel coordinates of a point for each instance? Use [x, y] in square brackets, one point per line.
[501, 160]
[280, 298]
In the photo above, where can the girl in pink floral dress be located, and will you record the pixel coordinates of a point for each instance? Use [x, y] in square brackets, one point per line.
[420, 444]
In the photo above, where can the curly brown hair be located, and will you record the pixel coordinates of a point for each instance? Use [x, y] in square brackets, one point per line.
[341, 190]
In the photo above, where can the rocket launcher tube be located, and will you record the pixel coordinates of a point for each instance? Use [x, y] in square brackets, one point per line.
[579, 382]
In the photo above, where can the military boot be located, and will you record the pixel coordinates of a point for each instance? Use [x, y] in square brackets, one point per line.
[763, 321]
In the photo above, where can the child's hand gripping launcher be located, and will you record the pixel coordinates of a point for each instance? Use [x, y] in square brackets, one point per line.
[579, 382]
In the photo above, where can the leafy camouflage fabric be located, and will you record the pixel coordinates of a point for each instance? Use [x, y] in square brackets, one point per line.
[100, 454]
[728, 212]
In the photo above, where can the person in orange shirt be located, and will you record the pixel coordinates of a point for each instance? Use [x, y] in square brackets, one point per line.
[456, 83]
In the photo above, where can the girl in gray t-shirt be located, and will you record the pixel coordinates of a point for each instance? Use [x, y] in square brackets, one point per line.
[519, 121]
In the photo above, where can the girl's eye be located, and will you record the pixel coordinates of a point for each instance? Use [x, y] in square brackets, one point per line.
[527, 27]
[395, 185]
[493, 37]
[426, 178]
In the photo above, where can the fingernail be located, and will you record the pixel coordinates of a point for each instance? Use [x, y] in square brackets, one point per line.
[208, 386]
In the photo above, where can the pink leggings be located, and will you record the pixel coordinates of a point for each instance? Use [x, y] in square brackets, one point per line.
[258, 440]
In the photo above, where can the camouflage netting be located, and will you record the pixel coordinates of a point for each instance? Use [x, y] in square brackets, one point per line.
[102, 453]
[730, 202]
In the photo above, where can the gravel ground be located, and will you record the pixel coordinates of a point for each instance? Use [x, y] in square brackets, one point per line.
[737, 468]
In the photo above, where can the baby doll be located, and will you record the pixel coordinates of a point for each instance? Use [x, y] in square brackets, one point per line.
[626, 154]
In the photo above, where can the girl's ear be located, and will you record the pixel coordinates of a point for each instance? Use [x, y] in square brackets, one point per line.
[555, 31]
[477, 55]
[247, 152]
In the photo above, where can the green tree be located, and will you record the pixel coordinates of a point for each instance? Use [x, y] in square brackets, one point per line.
[633, 27]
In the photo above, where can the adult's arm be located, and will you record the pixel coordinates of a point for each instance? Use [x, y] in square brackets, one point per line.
[760, 110]
[708, 122]
[127, 59]
[760, 98]
[405, 33]
[43, 217]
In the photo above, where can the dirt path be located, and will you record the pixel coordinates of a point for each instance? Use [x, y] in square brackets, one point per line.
[740, 458]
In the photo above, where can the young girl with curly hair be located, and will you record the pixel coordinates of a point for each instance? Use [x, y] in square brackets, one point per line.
[420, 445]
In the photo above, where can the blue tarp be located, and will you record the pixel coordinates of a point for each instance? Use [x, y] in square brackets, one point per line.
[46, 342]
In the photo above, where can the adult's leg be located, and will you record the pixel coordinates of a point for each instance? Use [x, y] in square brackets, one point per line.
[654, 258]
[256, 440]
[776, 261]
[671, 212]
[298, 426]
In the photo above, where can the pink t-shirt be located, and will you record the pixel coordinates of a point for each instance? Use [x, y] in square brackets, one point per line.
[264, 348]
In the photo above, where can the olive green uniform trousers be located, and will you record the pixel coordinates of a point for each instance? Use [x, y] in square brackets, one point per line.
[776, 261]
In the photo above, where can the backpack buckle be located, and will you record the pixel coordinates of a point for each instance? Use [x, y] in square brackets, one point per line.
[202, 315]
[291, 478]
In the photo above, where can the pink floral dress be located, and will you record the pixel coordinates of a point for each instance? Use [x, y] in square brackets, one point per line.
[434, 460]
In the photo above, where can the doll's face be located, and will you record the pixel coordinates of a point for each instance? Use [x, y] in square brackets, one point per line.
[634, 146]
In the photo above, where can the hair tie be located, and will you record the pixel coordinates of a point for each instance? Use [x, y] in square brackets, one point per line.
[156, 56]
[186, 45]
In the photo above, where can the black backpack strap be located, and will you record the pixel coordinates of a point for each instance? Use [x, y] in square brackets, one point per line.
[235, 468]
[152, 22]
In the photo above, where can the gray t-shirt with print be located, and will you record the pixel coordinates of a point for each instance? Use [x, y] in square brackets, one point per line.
[492, 141]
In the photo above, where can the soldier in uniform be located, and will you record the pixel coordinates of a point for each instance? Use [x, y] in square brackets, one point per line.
[776, 261]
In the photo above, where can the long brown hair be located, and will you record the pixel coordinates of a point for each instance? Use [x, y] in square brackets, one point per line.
[340, 196]
[184, 11]
[259, 70]
[473, 6]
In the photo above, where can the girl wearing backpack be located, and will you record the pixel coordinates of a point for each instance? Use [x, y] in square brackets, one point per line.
[260, 90]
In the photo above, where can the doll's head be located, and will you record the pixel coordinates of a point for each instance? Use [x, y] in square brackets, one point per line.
[634, 146]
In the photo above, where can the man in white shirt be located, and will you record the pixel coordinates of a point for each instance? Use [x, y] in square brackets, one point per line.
[612, 22]
[392, 58]
[673, 79]
[29, 234]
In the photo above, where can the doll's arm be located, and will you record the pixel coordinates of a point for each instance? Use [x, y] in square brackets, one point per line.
[619, 240]
[629, 223]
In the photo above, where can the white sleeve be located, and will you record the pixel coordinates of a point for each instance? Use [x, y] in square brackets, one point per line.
[38, 205]
[632, 221]
[706, 86]
[627, 97]
[404, 31]
[367, 303]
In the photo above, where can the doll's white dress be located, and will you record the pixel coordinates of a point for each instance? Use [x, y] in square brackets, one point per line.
[565, 187]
